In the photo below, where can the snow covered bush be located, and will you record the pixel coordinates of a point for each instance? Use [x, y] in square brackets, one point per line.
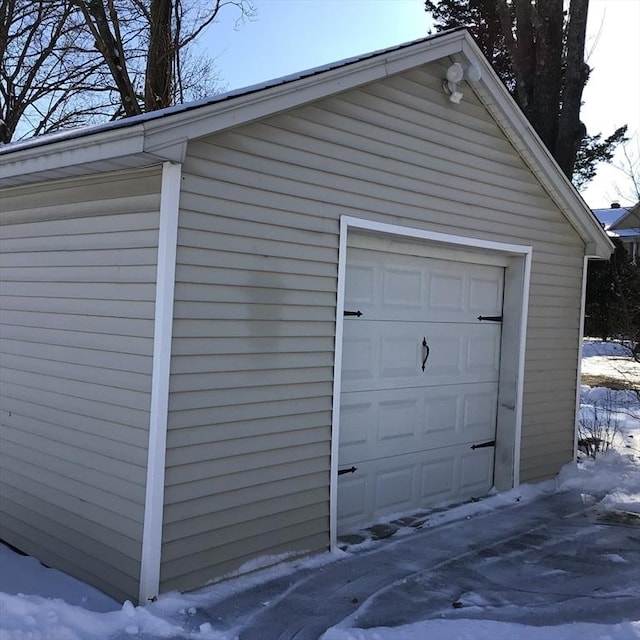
[609, 419]
[598, 425]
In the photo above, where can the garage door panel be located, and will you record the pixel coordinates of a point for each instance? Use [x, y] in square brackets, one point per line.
[418, 289]
[394, 487]
[485, 295]
[352, 507]
[359, 353]
[441, 413]
[379, 354]
[356, 423]
[402, 287]
[360, 284]
[483, 352]
[399, 355]
[479, 414]
[397, 419]
[413, 481]
[447, 292]
[476, 471]
[437, 479]
[395, 422]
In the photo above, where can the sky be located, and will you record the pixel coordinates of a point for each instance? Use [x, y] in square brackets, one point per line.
[287, 36]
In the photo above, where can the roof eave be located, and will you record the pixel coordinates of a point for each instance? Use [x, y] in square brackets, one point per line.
[111, 150]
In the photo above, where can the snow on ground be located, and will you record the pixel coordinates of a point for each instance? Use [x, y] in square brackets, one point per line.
[613, 411]
[611, 360]
[489, 630]
[592, 348]
[37, 603]
[613, 474]
[44, 604]
[617, 367]
[612, 415]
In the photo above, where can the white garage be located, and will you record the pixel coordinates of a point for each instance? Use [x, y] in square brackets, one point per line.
[421, 370]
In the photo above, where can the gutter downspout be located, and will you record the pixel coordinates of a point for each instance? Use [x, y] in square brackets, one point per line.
[163, 326]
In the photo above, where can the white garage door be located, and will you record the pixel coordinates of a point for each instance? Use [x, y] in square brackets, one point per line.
[419, 382]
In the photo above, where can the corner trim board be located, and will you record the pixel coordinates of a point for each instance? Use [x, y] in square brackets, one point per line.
[163, 325]
[583, 301]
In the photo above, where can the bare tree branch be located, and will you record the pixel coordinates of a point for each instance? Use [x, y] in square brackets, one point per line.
[35, 70]
[111, 47]
[68, 62]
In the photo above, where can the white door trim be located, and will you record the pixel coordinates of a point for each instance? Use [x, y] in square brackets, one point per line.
[518, 272]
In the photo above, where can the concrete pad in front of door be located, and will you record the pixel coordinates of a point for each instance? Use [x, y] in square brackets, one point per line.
[553, 560]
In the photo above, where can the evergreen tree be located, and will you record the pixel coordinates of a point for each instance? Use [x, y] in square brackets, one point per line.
[537, 50]
[613, 298]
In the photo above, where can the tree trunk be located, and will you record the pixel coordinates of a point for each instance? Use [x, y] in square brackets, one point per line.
[570, 129]
[111, 49]
[547, 78]
[157, 89]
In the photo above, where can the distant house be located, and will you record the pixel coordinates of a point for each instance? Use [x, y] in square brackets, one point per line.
[246, 325]
[622, 223]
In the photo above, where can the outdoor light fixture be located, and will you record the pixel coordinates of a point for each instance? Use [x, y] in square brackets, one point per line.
[455, 75]
[473, 73]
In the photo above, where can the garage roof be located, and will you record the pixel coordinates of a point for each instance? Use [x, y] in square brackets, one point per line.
[162, 135]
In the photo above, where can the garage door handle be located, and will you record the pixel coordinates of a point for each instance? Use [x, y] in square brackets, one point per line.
[426, 350]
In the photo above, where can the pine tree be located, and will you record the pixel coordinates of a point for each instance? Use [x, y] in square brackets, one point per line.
[537, 50]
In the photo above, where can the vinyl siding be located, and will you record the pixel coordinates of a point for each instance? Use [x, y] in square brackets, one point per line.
[78, 265]
[250, 401]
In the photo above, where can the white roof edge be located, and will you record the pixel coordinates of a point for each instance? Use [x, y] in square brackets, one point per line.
[524, 137]
[244, 108]
[99, 146]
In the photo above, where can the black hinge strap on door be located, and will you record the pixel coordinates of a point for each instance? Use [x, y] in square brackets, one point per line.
[341, 472]
[483, 445]
[353, 313]
[490, 318]
[425, 346]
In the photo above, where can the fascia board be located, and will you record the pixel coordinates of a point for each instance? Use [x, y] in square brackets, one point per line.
[243, 109]
[523, 136]
[105, 145]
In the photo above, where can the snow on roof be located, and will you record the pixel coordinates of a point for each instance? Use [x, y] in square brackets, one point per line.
[626, 233]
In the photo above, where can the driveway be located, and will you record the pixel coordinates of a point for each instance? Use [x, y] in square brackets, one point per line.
[556, 559]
